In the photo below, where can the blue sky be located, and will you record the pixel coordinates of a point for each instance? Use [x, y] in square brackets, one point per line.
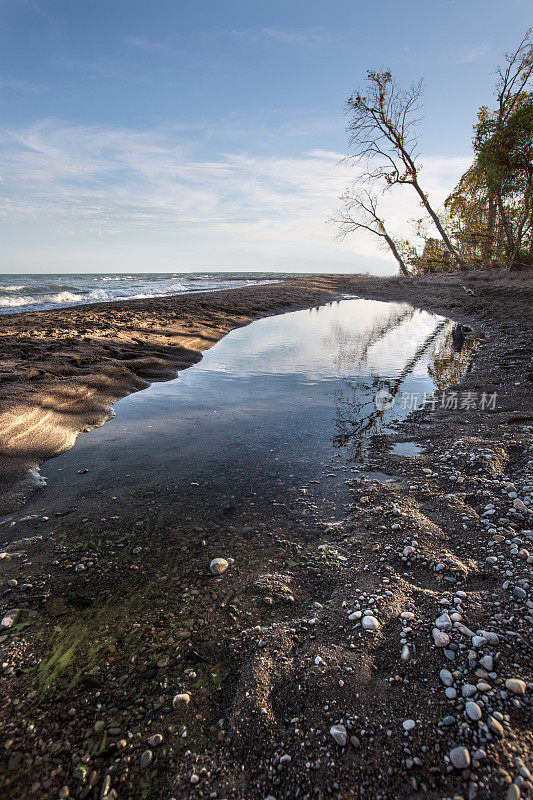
[144, 136]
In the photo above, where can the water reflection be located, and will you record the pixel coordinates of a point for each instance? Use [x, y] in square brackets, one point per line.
[364, 408]
[452, 355]
[270, 407]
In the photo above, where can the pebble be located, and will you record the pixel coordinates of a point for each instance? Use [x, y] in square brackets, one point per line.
[440, 638]
[473, 711]
[446, 677]
[468, 689]
[182, 699]
[338, 732]
[146, 759]
[492, 638]
[405, 655]
[155, 740]
[408, 724]
[460, 757]
[218, 566]
[513, 792]
[443, 623]
[516, 686]
[495, 726]
[370, 623]
[487, 663]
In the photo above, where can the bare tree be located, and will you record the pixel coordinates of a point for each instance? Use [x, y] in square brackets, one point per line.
[360, 212]
[383, 133]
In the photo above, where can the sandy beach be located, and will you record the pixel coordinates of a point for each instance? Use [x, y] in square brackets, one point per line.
[131, 671]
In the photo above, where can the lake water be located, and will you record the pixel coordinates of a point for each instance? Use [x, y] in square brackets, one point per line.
[278, 411]
[38, 292]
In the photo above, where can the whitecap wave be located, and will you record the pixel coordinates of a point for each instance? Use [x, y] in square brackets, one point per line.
[61, 297]
[13, 288]
[11, 302]
[51, 299]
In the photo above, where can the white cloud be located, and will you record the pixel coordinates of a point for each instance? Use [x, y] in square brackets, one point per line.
[147, 189]
[467, 54]
[295, 36]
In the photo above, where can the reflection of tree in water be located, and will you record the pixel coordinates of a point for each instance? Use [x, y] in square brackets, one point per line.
[448, 364]
[357, 415]
[351, 349]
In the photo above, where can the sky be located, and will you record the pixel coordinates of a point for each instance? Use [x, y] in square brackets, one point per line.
[180, 136]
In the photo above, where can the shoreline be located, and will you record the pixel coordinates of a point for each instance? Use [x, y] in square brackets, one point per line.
[122, 615]
[61, 370]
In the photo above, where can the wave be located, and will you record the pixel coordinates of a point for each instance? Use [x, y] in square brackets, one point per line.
[6, 302]
[55, 299]
[13, 288]
[117, 278]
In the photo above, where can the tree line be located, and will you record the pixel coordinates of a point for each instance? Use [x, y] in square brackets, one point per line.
[487, 220]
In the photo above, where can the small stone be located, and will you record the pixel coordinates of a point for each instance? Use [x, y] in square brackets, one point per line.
[492, 638]
[468, 690]
[460, 757]
[440, 638]
[443, 623]
[338, 732]
[181, 700]
[487, 662]
[370, 623]
[450, 693]
[446, 677]
[7, 622]
[473, 711]
[408, 724]
[513, 792]
[495, 726]
[155, 740]
[146, 759]
[516, 686]
[218, 566]
[448, 721]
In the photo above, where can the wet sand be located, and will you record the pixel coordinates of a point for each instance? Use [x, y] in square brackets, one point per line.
[116, 612]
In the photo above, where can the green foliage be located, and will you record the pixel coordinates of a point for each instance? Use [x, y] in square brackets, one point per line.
[490, 210]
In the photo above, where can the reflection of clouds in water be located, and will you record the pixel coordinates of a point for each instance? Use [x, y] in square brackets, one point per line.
[352, 348]
[365, 336]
